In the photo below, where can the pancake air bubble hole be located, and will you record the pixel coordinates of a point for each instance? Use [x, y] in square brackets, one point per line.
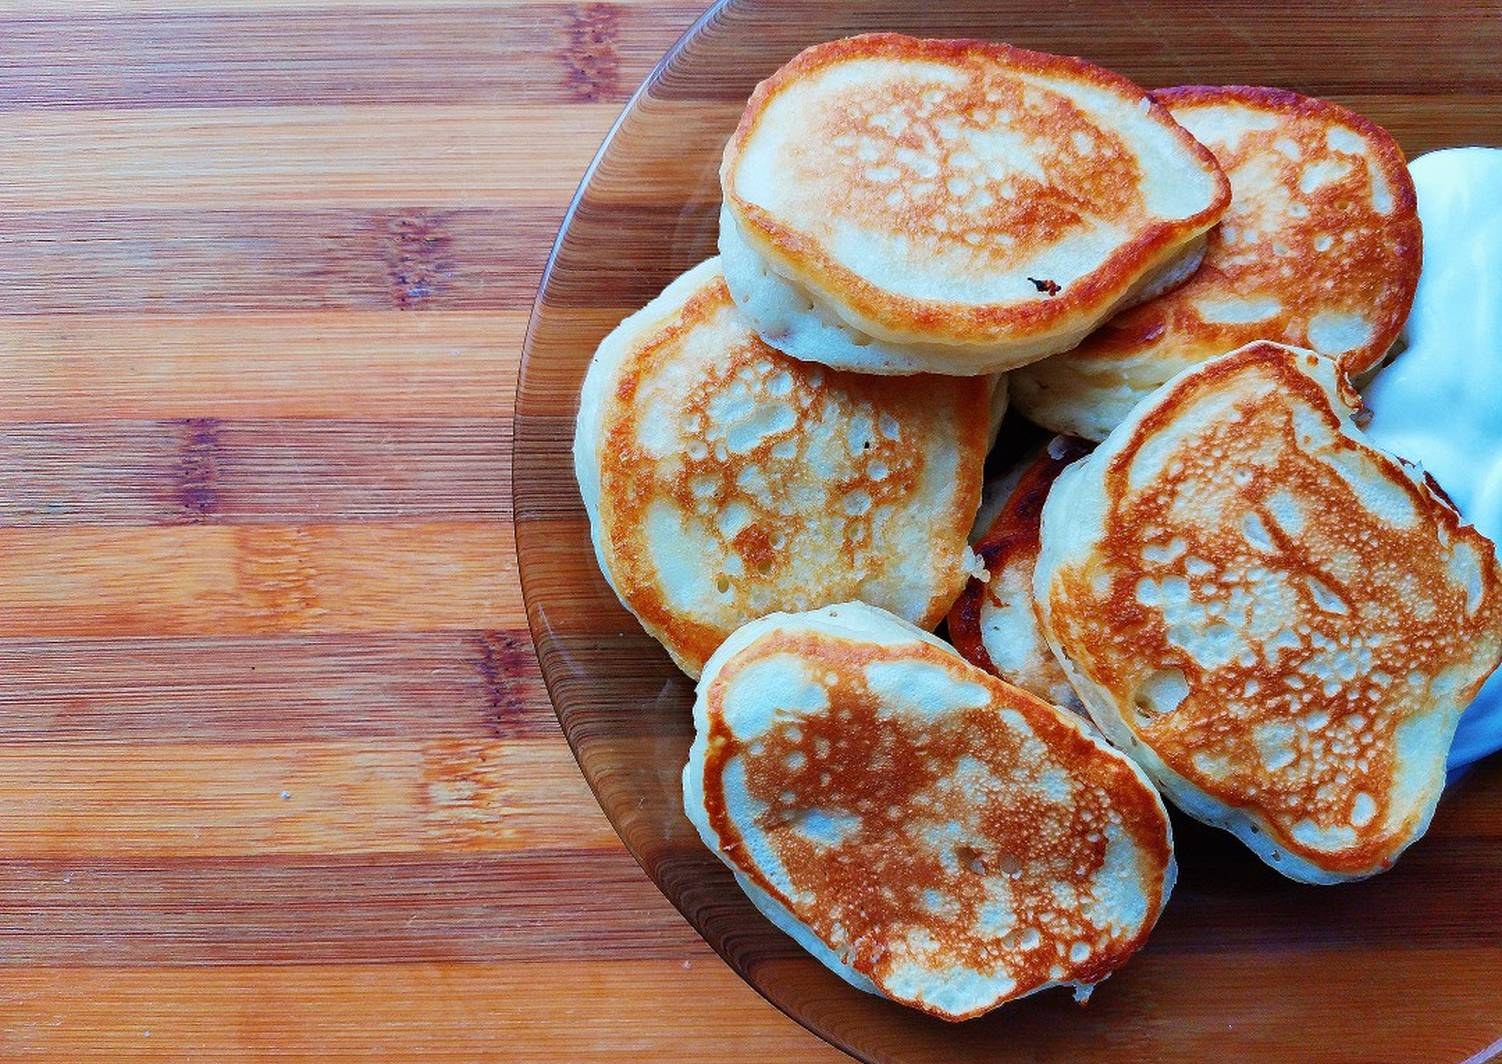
[1160, 694]
[1257, 534]
[971, 858]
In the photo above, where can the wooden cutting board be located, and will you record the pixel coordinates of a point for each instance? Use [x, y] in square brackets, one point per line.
[278, 777]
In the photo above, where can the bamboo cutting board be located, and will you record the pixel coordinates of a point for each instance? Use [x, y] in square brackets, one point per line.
[278, 777]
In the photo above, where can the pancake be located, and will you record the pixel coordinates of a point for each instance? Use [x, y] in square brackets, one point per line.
[725, 480]
[993, 622]
[896, 206]
[926, 831]
[1279, 622]
[1320, 249]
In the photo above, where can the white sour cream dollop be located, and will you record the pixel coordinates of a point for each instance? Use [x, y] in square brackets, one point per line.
[1440, 402]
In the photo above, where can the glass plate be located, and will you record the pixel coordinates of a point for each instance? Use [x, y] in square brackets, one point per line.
[1404, 966]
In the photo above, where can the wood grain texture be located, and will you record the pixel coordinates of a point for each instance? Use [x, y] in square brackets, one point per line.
[256, 364]
[196, 579]
[441, 155]
[1244, 964]
[212, 56]
[279, 778]
[399, 1012]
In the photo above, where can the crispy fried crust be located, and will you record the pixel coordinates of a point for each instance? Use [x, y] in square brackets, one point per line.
[1385, 271]
[1305, 597]
[1012, 539]
[873, 891]
[805, 258]
[1302, 244]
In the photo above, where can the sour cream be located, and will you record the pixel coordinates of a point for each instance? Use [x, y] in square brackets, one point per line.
[1439, 403]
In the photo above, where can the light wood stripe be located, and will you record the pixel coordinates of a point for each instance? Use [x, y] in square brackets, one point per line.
[300, 797]
[202, 579]
[635, 1010]
[307, 365]
[214, 157]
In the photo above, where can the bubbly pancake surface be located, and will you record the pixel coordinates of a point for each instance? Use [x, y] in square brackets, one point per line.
[729, 480]
[993, 623]
[1279, 621]
[1320, 249]
[952, 838]
[962, 191]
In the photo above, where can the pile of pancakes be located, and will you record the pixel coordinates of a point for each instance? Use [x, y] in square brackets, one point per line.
[1212, 587]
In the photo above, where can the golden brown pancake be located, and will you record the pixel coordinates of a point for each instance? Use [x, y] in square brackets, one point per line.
[1320, 249]
[927, 831]
[993, 622]
[725, 480]
[896, 205]
[1280, 623]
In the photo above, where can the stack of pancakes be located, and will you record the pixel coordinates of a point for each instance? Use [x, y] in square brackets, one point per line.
[1235, 599]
